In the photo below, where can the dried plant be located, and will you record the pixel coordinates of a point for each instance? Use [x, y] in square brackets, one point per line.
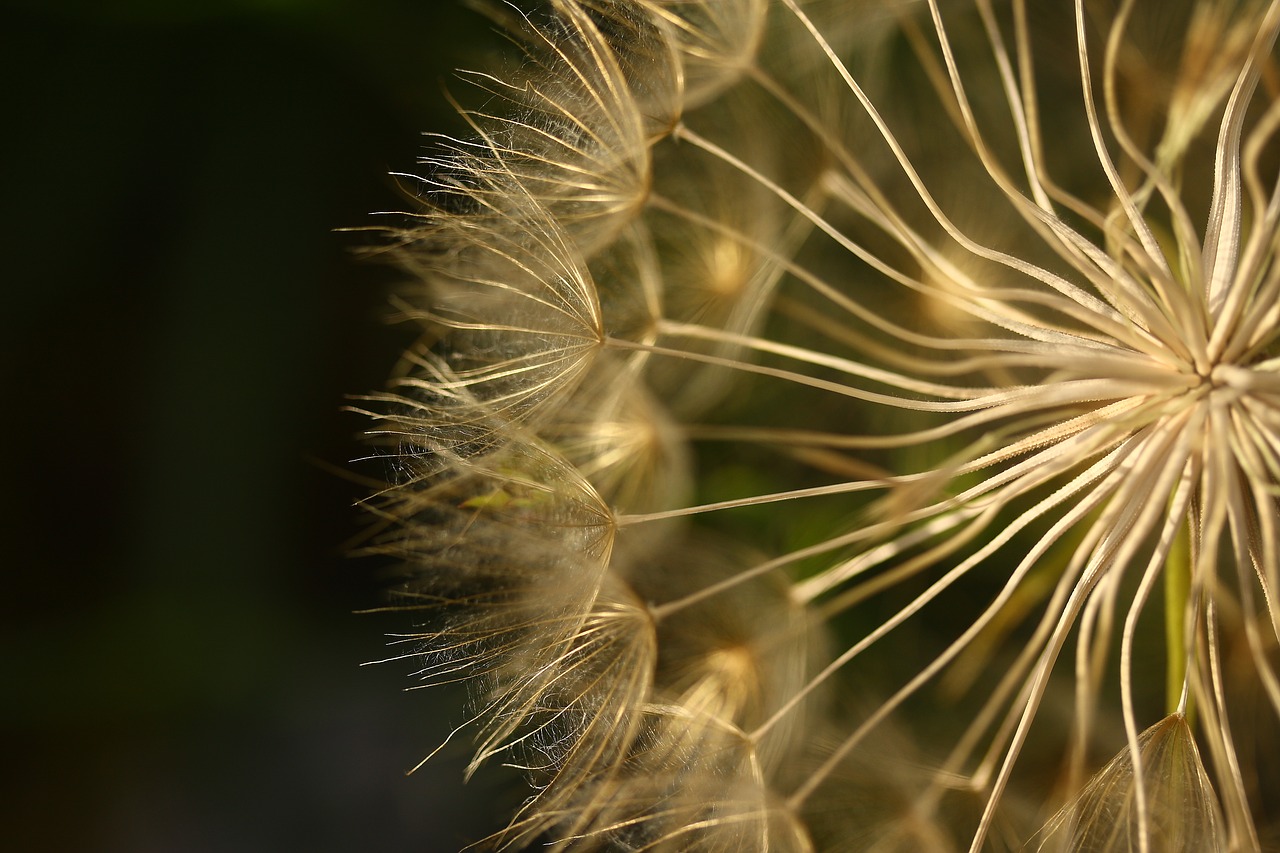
[838, 423]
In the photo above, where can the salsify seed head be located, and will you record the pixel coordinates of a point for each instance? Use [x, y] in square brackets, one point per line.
[784, 358]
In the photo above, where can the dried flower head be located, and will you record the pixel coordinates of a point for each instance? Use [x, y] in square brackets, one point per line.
[961, 324]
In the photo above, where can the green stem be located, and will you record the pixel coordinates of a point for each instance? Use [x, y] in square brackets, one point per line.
[1177, 590]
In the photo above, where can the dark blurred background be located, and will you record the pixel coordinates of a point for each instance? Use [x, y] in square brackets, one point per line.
[182, 321]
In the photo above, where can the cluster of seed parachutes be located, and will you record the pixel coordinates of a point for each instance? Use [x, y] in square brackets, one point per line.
[530, 427]
[616, 267]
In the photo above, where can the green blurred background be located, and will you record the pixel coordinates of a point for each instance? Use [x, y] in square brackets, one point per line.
[181, 324]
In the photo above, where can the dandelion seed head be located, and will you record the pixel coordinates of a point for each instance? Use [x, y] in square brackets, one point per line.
[778, 360]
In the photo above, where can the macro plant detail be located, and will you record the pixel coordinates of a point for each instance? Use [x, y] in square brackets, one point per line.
[854, 425]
